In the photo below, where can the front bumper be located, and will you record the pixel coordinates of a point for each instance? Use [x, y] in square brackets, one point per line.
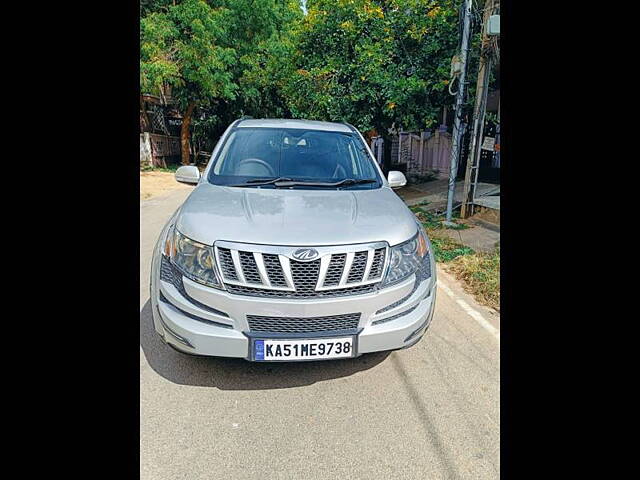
[206, 321]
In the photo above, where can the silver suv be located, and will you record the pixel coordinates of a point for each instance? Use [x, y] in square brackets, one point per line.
[293, 246]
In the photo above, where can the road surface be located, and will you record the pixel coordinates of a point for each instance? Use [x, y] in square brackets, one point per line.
[429, 412]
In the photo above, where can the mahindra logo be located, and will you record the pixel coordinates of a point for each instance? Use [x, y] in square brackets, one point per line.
[305, 254]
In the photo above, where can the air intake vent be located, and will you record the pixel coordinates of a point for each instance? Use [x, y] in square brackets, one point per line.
[348, 321]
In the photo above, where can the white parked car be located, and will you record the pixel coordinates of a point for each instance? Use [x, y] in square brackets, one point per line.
[292, 246]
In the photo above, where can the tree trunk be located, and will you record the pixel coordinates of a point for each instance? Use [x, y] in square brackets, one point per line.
[147, 121]
[184, 133]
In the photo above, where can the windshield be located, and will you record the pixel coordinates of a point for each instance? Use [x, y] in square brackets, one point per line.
[295, 158]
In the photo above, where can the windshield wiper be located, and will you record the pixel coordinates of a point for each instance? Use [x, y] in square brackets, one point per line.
[256, 182]
[341, 183]
[289, 182]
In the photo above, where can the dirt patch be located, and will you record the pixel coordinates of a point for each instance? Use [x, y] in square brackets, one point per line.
[479, 271]
[488, 215]
[153, 184]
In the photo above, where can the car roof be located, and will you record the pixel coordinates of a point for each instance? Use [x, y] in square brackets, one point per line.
[290, 123]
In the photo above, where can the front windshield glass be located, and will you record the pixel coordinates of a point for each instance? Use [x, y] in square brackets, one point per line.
[252, 155]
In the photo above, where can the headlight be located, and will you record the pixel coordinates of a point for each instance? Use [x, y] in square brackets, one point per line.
[407, 258]
[195, 260]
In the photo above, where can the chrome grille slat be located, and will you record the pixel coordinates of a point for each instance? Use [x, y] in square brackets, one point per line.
[236, 262]
[262, 270]
[357, 267]
[377, 266]
[334, 272]
[347, 268]
[286, 268]
[322, 274]
[249, 267]
[367, 268]
[226, 264]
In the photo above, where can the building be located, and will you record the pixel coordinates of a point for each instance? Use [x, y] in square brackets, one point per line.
[160, 124]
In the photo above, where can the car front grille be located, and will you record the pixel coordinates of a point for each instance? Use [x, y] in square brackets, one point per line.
[333, 323]
[270, 271]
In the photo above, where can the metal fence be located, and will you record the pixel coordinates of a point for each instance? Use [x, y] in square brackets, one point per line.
[418, 153]
[156, 149]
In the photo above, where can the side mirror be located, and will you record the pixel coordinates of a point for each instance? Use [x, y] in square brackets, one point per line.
[188, 174]
[396, 179]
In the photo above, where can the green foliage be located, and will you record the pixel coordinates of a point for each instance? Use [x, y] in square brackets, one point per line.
[260, 34]
[434, 222]
[182, 46]
[373, 63]
[149, 6]
[446, 249]
[169, 169]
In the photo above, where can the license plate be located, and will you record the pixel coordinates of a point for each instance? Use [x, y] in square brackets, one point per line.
[303, 349]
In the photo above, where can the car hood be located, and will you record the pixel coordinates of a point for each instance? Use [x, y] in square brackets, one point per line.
[295, 217]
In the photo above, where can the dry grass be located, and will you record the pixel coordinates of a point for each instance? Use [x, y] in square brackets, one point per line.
[154, 183]
[480, 272]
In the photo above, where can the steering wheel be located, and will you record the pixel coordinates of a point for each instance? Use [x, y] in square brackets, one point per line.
[255, 161]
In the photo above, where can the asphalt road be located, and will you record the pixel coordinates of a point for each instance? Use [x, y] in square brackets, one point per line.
[429, 412]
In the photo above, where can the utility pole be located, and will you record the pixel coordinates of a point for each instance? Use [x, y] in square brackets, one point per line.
[457, 133]
[482, 90]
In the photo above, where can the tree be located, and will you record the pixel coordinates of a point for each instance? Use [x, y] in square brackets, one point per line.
[374, 63]
[260, 34]
[267, 63]
[246, 42]
[181, 46]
